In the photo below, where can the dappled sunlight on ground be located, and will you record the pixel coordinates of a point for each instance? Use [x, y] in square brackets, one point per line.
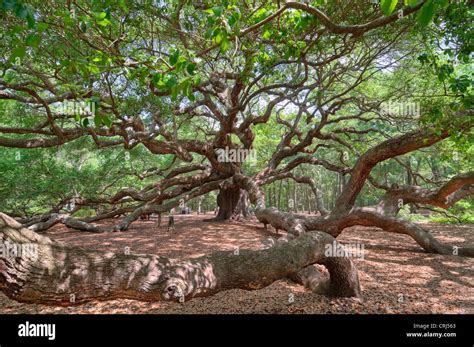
[396, 275]
[193, 237]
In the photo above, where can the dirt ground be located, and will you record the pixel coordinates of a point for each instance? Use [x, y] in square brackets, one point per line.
[396, 275]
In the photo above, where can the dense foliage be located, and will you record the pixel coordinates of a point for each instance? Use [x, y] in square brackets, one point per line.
[168, 78]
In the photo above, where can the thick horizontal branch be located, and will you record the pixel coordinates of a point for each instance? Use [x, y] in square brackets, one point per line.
[388, 149]
[334, 224]
[369, 217]
[457, 188]
[59, 273]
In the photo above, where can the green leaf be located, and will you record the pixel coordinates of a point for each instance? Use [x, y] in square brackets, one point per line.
[104, 22]
[225, 44]
[234, 19]
[412, 3]
[158, 80]
[171, 82]
[267, 34]
[196, 79]
[30, 18]
[426, 13]
[21, 11]
[107, 121]
[7, 4]
[33, 40]
[181, 63]
[93, 68]
[260, 14]
[24, 12]
[444, 71]
[123, 5]
[388, 6]
[460, 84]
[18, 53]
[42, 27]
[190, 68]
[98, 121]
[174, 58]
[174, 93]
[217, 10]
[441, 3]
[218, 38]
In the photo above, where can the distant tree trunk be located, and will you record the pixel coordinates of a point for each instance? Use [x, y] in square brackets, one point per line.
[320, 202]
[435, 170]
[158, 220]
[199, 206]
[273, 192]
[279, 194]
[288, 194]
[295, 197]
[308, 199]
[335, 190]
[410, 182]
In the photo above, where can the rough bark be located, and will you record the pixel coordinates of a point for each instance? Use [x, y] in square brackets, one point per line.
[334, 224]
[457, 188]
[183, 193]
[385, 150]
[232, 202]
[59, 273]
[369, 217]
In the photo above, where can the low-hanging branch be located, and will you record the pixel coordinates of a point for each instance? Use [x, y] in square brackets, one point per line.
[63, 275]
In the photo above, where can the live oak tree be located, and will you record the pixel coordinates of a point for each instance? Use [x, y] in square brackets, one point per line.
[352, 90]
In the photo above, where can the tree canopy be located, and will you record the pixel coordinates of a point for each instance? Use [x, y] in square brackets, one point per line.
[126, 107]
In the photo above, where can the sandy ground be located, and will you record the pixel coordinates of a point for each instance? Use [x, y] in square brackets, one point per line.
[396, 275]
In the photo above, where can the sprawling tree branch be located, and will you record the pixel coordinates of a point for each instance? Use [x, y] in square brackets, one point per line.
[59, 272]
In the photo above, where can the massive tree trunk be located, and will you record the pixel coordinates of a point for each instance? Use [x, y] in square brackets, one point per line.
[232, 202]
[64, 275]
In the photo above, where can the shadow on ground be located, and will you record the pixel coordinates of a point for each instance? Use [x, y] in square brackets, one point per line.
[397, 276]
